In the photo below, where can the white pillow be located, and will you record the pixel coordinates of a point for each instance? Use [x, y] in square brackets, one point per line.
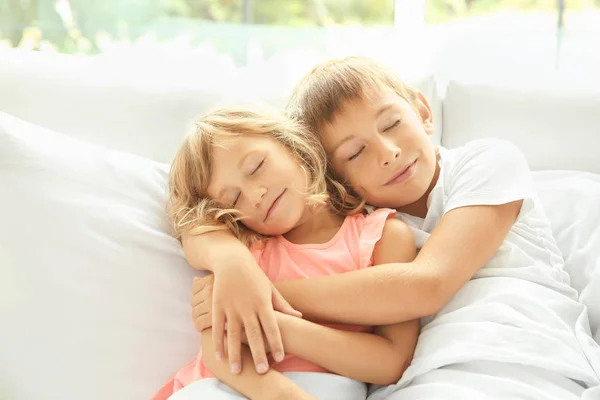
[94, 291]
[572, 203]
[556, 124]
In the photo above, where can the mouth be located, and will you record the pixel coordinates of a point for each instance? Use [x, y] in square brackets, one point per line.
[274, 205]
[403, 175]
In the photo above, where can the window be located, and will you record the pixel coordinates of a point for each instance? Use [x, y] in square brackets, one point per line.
[233, 27]
[447, 36]
[516, 36]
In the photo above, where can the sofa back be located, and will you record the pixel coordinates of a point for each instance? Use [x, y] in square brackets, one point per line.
[554, 122]
[144, 105]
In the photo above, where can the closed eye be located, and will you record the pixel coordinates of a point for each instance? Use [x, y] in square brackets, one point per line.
[355, 155]
[395, 124]
[258, 167]
[237, 198]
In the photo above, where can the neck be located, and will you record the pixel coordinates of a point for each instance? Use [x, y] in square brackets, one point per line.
[318, 225]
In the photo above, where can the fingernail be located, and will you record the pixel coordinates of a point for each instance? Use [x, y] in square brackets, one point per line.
[278, 356]
[235, 368]
[261, 368]
[196, 279]
[219, 356]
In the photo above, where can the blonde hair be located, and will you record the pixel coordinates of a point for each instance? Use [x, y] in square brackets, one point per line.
[322, 93]
[190, 208]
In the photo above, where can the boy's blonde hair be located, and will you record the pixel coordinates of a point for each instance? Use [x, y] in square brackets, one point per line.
[190, 208]
[326, 89]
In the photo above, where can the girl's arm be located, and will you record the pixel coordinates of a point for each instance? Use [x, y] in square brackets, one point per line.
[251, 309]
[379, 358]
[464, 240]
[271, 385]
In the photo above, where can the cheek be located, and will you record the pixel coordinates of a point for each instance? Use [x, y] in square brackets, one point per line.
[247, 214]
[362, 172]
[355, 178]
[341, 171]
[300, 176]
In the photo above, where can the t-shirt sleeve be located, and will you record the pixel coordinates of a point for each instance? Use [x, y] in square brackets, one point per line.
[487, 172]
[370, 234]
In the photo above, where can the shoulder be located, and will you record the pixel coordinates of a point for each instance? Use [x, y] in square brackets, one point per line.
[395, 232]
[486, 151]
[371, 225]
[395, 228]
[483, 160]
[263, 250]
[485, 172]
[370, 229]
[397, 243]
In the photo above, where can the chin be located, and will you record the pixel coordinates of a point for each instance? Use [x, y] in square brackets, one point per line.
[382, 203]
[280, 227]
[413, 199]
[394, 202]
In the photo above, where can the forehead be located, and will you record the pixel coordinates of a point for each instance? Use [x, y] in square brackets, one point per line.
[369, 103]
[226, 155]
[231, 154]
[357, 112]
[237, 146]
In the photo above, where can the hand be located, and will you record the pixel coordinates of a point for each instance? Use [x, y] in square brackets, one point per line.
[206, 314]
[245, 341]
[250, 309]
[202, 293]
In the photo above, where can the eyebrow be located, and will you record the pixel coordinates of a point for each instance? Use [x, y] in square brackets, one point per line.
[381, 110]
[344, 140]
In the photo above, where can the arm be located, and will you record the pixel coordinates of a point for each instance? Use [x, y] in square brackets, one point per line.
[214, 250]
[465, 239]
[251, 309]
[379, 358]
[271, 385]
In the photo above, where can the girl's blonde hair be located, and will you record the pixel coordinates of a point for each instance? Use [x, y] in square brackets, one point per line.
[326, 89]
[190, 208]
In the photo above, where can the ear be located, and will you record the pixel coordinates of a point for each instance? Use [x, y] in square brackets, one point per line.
[424, 109]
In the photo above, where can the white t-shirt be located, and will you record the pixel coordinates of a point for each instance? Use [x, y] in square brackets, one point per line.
[494, 172]
[519, 308]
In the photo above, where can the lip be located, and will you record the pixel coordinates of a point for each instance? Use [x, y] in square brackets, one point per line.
[274, 205]
[403, 175]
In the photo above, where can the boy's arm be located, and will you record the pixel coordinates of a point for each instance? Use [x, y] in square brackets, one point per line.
[271, 385]
[379, 358]
[464, 240]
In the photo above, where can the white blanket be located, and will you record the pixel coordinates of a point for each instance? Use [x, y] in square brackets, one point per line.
[502, 337]
[484, 380]
[320, 385]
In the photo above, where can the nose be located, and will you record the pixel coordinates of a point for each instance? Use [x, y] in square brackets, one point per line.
[388, 151]
[256, 195]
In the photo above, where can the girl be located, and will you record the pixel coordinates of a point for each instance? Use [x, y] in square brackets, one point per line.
[507, 323]
[263, 177]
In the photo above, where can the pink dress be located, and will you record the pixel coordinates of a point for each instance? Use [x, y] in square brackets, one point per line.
[350, 249]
